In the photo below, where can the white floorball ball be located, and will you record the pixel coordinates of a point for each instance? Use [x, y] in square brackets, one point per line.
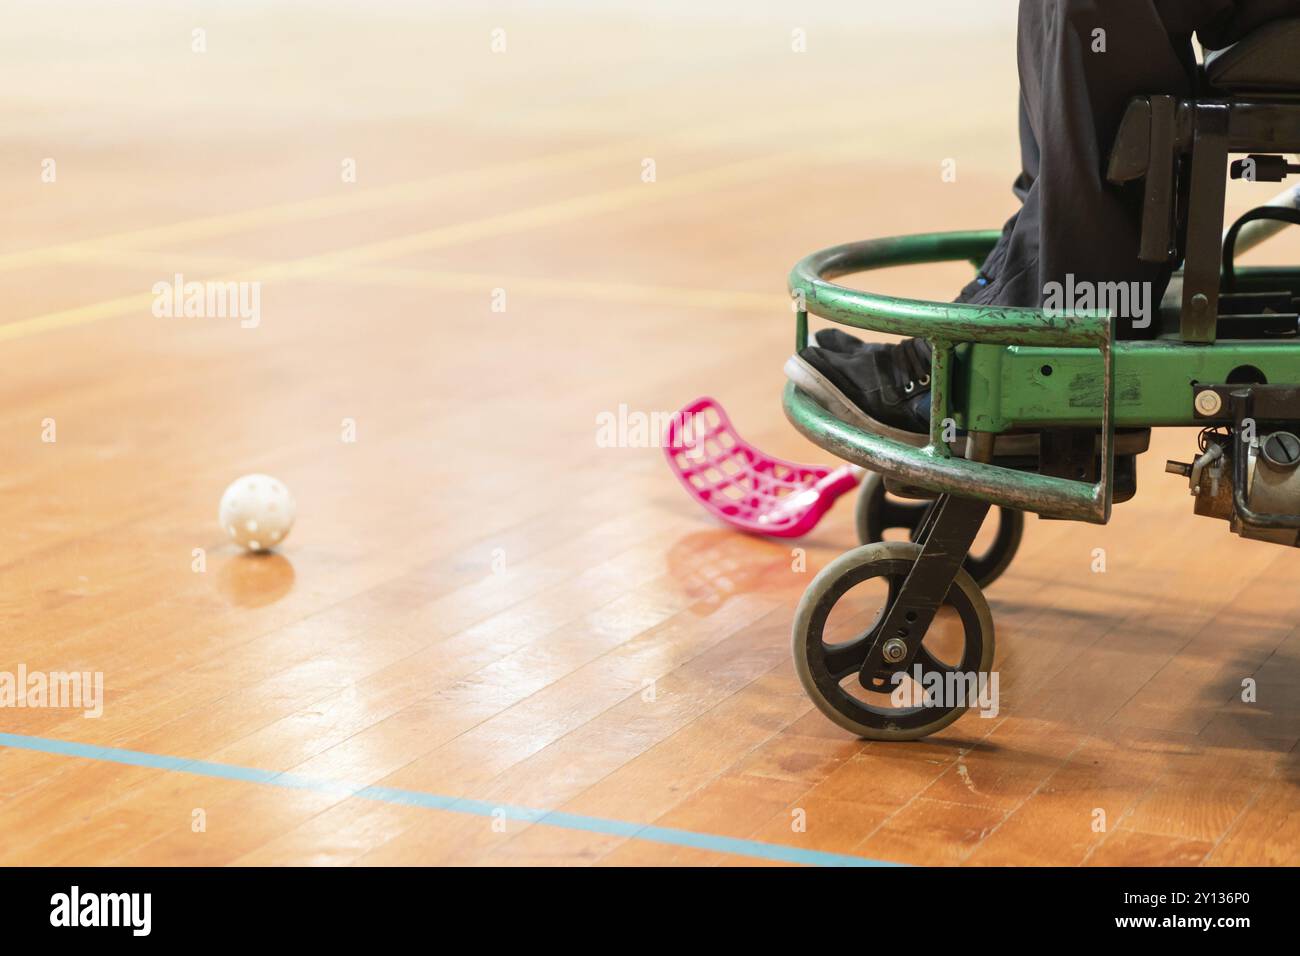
[257, 512]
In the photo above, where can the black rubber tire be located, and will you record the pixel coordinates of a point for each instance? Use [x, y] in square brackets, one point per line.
[892, 559]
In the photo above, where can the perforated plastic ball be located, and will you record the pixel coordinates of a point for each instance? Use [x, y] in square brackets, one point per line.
[257, 512]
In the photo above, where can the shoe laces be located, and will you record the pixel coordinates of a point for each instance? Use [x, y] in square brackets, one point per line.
[916, 358]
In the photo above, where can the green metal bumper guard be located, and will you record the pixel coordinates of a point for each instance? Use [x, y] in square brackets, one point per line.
[997, 369]
[934, 468]
[993, 371]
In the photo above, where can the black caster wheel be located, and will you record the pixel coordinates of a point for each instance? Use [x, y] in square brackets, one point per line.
[960, 641]
[878, 512]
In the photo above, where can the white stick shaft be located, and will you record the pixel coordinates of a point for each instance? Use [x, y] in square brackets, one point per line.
[1254, 233]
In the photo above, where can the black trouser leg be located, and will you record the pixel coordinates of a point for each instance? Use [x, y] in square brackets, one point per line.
[1080, 62]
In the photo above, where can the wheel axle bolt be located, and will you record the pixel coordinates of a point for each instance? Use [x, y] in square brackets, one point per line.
[1282, 450]
[894, 650]
[1209, 403]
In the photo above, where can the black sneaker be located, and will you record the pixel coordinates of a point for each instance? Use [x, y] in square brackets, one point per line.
[884, 389]
[838, 340]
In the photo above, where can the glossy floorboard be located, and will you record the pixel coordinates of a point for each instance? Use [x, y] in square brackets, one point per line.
[479, 600]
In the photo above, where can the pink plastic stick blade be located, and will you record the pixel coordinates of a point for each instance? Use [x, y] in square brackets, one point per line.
[741, 485]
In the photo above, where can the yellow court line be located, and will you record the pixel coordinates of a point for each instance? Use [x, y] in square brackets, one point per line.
[79, 315]
[356, 199]
[579, 289]
[415, 278]
[547, 214]
[506, 223]
[323, 206]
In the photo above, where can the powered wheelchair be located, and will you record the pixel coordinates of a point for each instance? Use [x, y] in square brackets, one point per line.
[1051, 411]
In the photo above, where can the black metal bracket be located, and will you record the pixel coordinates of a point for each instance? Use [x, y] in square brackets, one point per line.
[1267, 403]
[1154, 138]
[1205, 221]
[946, 537]
[1263, 168]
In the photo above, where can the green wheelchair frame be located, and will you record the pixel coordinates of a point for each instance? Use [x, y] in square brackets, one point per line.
[994, 370]
[1225, 358]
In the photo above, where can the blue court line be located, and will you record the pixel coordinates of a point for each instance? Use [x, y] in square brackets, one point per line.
[433, 801]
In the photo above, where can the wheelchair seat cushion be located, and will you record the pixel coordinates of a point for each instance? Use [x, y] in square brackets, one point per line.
[1266, 61]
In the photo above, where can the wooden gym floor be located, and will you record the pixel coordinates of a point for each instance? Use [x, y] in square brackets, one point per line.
[482, 615]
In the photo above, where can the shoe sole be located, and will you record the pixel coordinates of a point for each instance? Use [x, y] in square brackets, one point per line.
[825, 393]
